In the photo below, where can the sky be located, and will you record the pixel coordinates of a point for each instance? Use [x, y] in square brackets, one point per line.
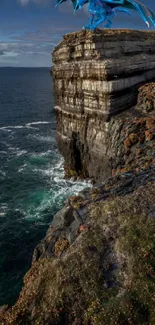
[30, 29]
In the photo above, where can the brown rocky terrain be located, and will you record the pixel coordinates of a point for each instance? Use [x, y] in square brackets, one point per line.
[96, 264]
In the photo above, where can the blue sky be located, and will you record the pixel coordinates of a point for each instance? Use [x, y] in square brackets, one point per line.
[30, 29]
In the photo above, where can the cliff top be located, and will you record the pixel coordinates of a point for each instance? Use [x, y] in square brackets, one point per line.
[124, 34]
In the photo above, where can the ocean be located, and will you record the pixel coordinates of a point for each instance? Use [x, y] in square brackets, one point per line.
[32, 184]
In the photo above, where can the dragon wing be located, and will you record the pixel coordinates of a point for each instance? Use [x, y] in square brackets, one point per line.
[111, 3]
[147, 14]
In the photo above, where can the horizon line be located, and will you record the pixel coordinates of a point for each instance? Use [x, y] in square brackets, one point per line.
[12, 67]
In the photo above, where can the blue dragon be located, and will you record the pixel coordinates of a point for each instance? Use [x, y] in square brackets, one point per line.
[105, 10]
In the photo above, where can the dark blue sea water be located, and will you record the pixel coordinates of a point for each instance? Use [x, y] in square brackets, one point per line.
[32, 184]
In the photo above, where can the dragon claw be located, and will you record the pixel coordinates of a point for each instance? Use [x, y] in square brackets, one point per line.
[88, 27]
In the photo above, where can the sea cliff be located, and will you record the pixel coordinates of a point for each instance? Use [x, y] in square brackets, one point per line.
[96, 264]
[96, 76]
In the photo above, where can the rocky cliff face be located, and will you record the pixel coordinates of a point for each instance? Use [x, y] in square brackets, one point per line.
[96, 264]
[96, 76]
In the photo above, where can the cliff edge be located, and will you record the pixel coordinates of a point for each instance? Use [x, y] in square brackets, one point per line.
[96, 76]
[96, 264]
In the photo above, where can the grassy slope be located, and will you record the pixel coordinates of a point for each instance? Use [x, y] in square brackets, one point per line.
[106, 277]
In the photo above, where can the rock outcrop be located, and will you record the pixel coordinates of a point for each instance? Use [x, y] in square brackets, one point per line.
[96, 76]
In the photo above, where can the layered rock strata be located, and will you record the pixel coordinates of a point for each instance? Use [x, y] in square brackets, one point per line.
[96, 76]
[137, 160]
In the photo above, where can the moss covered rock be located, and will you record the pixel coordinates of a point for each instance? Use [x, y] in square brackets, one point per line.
[107, 274]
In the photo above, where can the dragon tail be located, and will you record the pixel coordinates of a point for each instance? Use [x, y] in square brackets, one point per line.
[152, 17]
[119, 9]
[146, 14]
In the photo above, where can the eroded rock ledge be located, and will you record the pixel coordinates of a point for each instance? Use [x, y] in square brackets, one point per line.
[96, 76]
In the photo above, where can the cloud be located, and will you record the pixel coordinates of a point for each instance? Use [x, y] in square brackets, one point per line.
[23, 48]
[25, 2]
[30, 46]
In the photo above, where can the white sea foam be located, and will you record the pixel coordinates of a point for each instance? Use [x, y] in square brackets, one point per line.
[56, 196]
[21, 211]
[2, 173]
[17, 151]
[10, 127]
[5, 128]
[53, 172]
[2, 214]
[31, 127]
[18, 127]
[3, 209]
[65, 187]
[38, 122]
[59, 189]
[4, 152]
[22, 168]
[13, 149]
[4, 205]
[40, 154]
[21, 152]
[46, 139]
